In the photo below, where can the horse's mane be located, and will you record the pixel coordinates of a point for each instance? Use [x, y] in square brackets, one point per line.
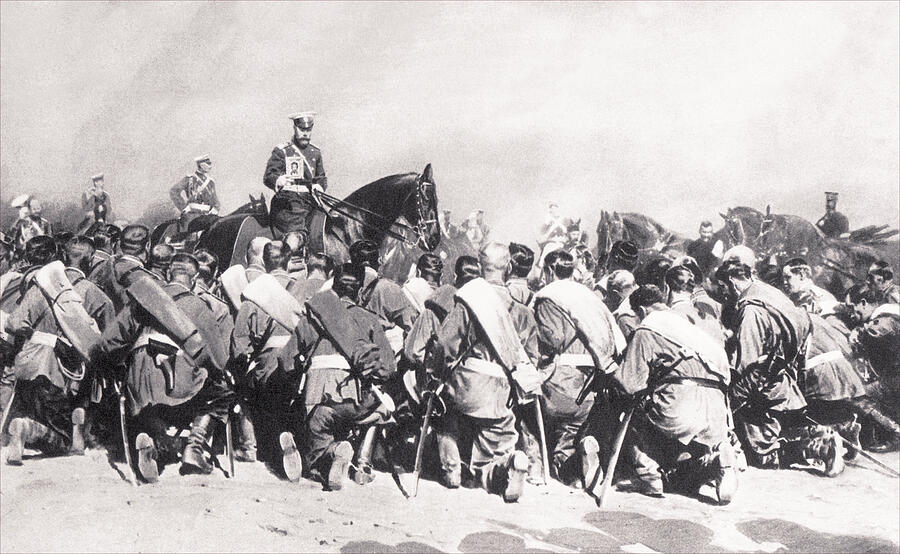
[391, 181]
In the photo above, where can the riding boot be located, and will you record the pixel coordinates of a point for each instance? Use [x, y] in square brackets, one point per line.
[77, 447]
[193, 459]
[814, 444]
[849, 430]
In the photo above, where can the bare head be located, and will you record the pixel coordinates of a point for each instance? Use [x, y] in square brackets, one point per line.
[255, 250]
[494, 258]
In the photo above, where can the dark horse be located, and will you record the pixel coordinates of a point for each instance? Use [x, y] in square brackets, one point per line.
[651, 238]
[402, 207]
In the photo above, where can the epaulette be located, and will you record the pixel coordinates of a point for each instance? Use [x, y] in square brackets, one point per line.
[314, 147]
[284, 145]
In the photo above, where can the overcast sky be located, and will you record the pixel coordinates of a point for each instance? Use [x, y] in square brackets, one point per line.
[675, 110]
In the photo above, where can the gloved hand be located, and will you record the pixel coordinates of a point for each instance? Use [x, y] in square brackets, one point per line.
[281, 182]
[527, 378]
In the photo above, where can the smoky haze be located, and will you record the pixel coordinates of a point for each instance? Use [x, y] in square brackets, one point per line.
[676, 110]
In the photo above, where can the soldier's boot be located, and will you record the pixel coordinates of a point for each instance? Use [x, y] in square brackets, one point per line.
[341, 456]
[147, 456]
[290, 457]
[516, 470]
[245, 450]
[726, 481]
[363, 474]
[193, 459]
[591, 472]
[77, 446]
[818, 445]
[28, 432]
[850, 431]
[451, 467]
[883, 421]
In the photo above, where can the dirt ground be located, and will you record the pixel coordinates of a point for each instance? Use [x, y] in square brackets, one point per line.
[86, 504]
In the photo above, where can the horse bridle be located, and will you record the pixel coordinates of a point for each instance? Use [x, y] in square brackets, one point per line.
[420, 228]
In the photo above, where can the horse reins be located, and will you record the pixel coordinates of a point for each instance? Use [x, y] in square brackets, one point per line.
[333, 203]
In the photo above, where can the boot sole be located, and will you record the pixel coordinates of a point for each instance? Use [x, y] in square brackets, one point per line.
[340, 466]
[726, 486]
[146, 451]
[838, 466]
[290, 459]
[16, 447]
[515, 485]
[590, 462]
[77, 448]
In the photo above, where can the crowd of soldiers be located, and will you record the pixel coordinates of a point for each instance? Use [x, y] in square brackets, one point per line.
[529, 365]
[521, 371]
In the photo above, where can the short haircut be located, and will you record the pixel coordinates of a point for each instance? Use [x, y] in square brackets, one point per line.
[493, 256]
[208, 264]
[255, 248]
[680, 279]
[319, 261]
[161, 256]
[430, 266]
[521, 259]
[183, 264]
[732, 267]
[276, 255]
[466, 269]
[645, 295]
[797, 266]
[861, 291]
[620, 280]
[348, 279]
[882, 269]
[706, 224]
[561, 263]
[78, 252]
[365, 252]
[654, 272]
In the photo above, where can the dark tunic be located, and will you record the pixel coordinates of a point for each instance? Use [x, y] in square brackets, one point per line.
[292, 206]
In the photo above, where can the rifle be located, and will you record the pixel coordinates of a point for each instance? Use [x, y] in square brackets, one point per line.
[858, 449]
[121, 393]
[423, 433]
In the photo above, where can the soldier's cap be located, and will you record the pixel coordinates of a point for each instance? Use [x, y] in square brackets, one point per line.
[553, 203]
[304, 120]
[21, 200]
[625, 251]
[204, 158]
[521, 255]
[831, 196]
[40, 250]
[134, 236]
[183, 262]
[79, 246]
[97, 177]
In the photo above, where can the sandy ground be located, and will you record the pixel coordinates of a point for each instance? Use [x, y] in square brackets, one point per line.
[86, 504]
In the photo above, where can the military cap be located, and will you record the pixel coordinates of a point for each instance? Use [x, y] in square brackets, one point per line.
[40, 250]
[113, 232]
[135, 236]
[97, 177]
[624, 251]
[21, 200]
[430, 264]
[303, 119]
[831, 196]
[203, 158]
[79, 246]
[364, 252]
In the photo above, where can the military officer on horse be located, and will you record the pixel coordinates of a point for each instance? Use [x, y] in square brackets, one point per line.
[195, 194]
[295, 172]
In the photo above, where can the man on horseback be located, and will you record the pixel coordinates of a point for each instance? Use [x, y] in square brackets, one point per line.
[833, 223]
[293, 204]
[195, 195]
[95, 203]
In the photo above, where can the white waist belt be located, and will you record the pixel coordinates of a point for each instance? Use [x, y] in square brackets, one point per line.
[329, 361]
[276, 341]
[575, 360]
[293, 187]
[144, 339]
[825, 357]
[484, 367]
[3, 317]
[46, 339]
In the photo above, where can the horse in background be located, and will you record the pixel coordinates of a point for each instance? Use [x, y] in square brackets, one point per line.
[651, 238]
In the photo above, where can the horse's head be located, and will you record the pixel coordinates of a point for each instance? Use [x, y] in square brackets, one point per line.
[421, 211]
